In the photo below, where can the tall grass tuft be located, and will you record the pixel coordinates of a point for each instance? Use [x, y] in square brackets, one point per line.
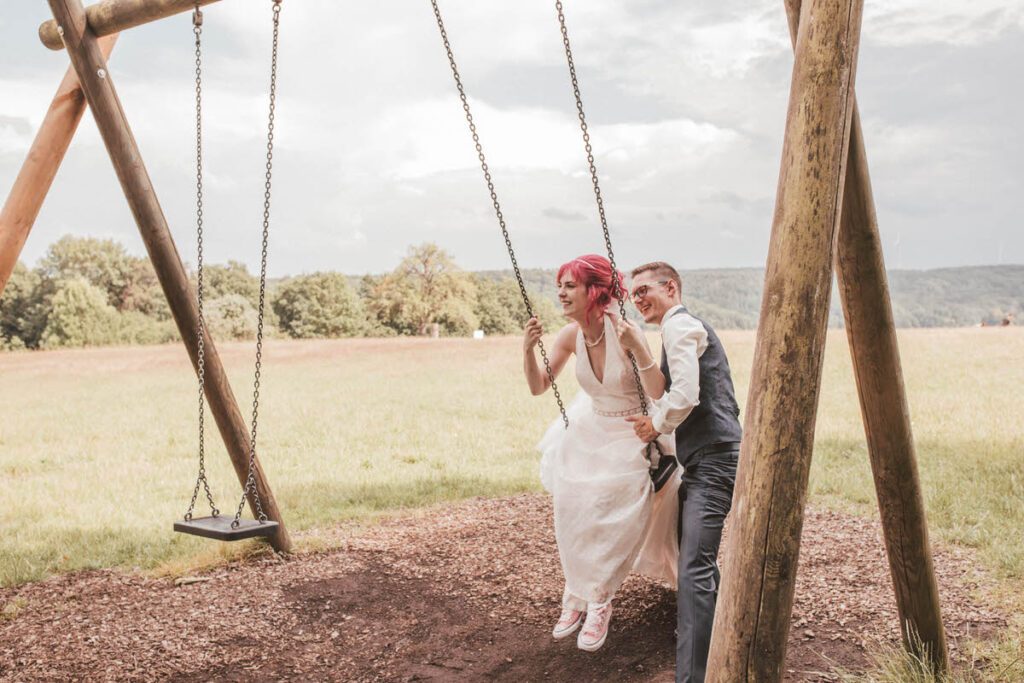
[1001, 661]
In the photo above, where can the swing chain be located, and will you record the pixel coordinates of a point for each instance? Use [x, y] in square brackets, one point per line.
[197, 29]
[250, 481]
[617, 286]
[497, 206]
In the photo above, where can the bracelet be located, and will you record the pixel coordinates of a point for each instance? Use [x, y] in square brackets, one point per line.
[648, 367]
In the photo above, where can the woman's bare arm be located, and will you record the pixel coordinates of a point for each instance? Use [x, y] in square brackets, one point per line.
[632, 338]
[558, 355]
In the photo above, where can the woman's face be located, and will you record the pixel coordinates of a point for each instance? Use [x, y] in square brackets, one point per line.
[573, 297]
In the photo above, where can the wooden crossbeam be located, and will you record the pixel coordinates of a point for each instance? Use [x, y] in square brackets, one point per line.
[756, 603]
[113, 16]
[98, 87]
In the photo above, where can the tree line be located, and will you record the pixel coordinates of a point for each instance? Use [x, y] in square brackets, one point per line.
[89, 292]
[963, 296]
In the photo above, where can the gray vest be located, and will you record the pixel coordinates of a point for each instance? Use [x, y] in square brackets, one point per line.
[715, 419]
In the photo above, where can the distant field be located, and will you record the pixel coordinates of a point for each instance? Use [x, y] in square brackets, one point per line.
[97, 447]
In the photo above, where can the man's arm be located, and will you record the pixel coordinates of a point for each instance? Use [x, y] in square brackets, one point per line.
[684, 339]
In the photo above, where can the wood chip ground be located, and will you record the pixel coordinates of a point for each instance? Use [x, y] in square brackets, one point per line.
[464, 592]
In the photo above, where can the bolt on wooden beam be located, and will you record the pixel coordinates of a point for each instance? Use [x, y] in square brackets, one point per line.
[113, 16]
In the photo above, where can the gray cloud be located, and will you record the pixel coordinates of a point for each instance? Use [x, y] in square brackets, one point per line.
[563, 215]
[18, 124]
[686, 103]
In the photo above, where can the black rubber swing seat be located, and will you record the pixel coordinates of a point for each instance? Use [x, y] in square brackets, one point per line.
[219, 527]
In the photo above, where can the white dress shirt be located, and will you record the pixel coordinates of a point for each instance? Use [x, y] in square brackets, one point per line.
[684, 340]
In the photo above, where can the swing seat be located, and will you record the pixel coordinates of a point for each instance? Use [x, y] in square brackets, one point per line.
[219, 527]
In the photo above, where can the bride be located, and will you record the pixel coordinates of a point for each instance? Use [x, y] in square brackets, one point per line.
[608, 519]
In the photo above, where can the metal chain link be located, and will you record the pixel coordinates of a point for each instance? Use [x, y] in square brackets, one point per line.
[617, 290]
[497, 205]
[197, 29]
[250, 480]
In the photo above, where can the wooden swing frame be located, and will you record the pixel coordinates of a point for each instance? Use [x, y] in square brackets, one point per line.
[824, 223]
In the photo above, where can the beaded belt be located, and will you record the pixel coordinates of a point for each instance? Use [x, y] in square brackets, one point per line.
[619, 413]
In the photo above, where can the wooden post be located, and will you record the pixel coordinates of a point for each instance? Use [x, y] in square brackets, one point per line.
[112, 16]
[40, 167]
[871, 332]
[756, 602]
[876, 363]
[98, 87]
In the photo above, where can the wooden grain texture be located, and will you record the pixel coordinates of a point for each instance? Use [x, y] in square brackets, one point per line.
[756, 601]
[98, 87]
[871, 332]
[40, 167]
[112, 16]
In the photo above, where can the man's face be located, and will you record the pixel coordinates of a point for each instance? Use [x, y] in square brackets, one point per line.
[653, 296]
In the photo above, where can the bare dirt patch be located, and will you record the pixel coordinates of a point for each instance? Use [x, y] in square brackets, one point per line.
[465, 592]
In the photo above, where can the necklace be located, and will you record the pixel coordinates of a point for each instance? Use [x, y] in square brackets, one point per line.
[596, 341]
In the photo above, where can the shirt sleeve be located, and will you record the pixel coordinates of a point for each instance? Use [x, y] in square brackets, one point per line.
[685, 340]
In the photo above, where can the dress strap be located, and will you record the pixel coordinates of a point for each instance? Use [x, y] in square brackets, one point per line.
[613, 348]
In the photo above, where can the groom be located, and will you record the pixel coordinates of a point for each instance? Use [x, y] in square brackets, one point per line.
[699, 405]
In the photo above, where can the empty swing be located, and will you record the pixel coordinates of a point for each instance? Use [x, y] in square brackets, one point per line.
[217, 526]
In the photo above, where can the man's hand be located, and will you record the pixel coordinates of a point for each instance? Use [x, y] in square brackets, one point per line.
[630, 336]
[644, 428]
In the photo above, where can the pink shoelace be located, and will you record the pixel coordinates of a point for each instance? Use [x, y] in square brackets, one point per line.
[568, 617]
[594, 630]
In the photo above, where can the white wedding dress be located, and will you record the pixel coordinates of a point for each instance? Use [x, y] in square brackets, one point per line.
[608, 519]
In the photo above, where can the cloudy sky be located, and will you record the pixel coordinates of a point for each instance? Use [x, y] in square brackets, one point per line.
[686, 103]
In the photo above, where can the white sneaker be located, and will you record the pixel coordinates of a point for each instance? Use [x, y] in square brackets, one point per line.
[567, 624]
[595, 628]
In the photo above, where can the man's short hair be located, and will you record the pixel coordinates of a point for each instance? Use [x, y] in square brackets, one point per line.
[662, 271]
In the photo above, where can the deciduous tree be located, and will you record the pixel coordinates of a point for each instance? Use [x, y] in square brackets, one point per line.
[319, 305]
[426, 289]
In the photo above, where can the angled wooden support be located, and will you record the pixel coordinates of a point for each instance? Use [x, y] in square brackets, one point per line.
[98, 87]
[40, 167]
[112, 16]
[871, 332]
[876, 364]
[756, 602]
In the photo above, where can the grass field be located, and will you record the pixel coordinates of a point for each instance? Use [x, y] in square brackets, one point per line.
[97, 447]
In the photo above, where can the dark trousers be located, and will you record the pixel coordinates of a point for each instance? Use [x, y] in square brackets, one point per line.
[705, 498]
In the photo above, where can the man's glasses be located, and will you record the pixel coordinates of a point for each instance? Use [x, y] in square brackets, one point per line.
[643, 290]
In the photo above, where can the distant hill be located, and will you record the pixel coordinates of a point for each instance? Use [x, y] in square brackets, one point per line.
[730, 298]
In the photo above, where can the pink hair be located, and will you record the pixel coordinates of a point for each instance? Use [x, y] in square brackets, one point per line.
[595, 273]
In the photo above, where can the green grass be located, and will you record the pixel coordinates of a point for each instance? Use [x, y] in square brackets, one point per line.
[97, 447]
[100, 456]
[965, 389]
[97, 450]
[999, 661]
